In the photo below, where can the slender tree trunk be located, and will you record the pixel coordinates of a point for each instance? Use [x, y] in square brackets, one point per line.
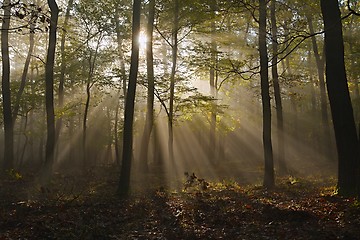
[213, 89]
[24, 74]
[72, 148]
[269, 180]
[108, 156]
[323, 101]
[121, 53]
[123, 79]
[63, 67]
[23, 83]
[31, 154]
[314, 111]
[49, 89]
[124, 182]
[277, 93]
[149, 122]
[165, 61]
[157, 147]
[89, 84]
[340, 102]
[287, 66]
[295, 113]
[84, 124]
[312, 82]
[6, 93]
[24, 131]
[116, 130]
[172, 80]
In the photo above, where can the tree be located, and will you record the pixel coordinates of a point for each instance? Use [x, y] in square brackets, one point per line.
[277, 91]
[49, 89]
[24, 74]
[174, 48]
[93, 54]
[320, 70]
[340, 103]
[61, 92]
[6, 93]
[119, 39]
[265, 96]
[149, 122]
[124, 182]
[213, 87]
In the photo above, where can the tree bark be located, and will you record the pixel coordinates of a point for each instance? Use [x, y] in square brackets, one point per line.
[24, 74]
[314, 111]
[287, 66]
[149, 122]
[269, 180]
[89, 84]
[277, 93]
[123, 80]
[213, 90]
[172, 80]
[119, 39]
[340, 102]
[8, 161]
[63, 66]
[124, 182]
[49, 89]
[323, 102]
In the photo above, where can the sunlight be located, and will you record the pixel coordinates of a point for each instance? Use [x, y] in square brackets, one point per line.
[142, 41]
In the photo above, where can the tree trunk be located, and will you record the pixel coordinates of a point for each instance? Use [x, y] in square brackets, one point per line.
[149, 122]
[63, 66]
[172, 80]
[157, 147]
[123, 79]
[119, 39]
[116, 130]
[49, 89]
[8, 161]
[26, 140]
[340, 102]
[269, 180]
[323, 103]
[277, 93]
[314, 111]
[84, 123]
[312, 82]
[213, 90]
[108, 155]
[24, 74]
[287, 67]
[89, 84]
[124, 182]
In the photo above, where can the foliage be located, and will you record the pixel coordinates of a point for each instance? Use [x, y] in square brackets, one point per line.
[33, 17]
[194, 183]
[13, 174]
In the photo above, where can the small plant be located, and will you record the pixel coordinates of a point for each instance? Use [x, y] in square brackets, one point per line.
[356, 203]
[14, 174]
[292, 180]
[192, 181]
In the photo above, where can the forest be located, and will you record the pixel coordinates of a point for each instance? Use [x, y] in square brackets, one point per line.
[180, 119]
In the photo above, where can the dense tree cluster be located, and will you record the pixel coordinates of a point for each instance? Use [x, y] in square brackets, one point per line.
[170, 86]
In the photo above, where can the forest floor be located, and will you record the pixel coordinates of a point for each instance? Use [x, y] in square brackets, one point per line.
[86, 207]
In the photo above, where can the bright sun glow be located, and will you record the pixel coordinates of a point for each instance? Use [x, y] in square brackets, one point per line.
[142, 40]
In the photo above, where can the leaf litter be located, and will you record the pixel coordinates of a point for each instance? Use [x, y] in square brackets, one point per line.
[88, 208]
